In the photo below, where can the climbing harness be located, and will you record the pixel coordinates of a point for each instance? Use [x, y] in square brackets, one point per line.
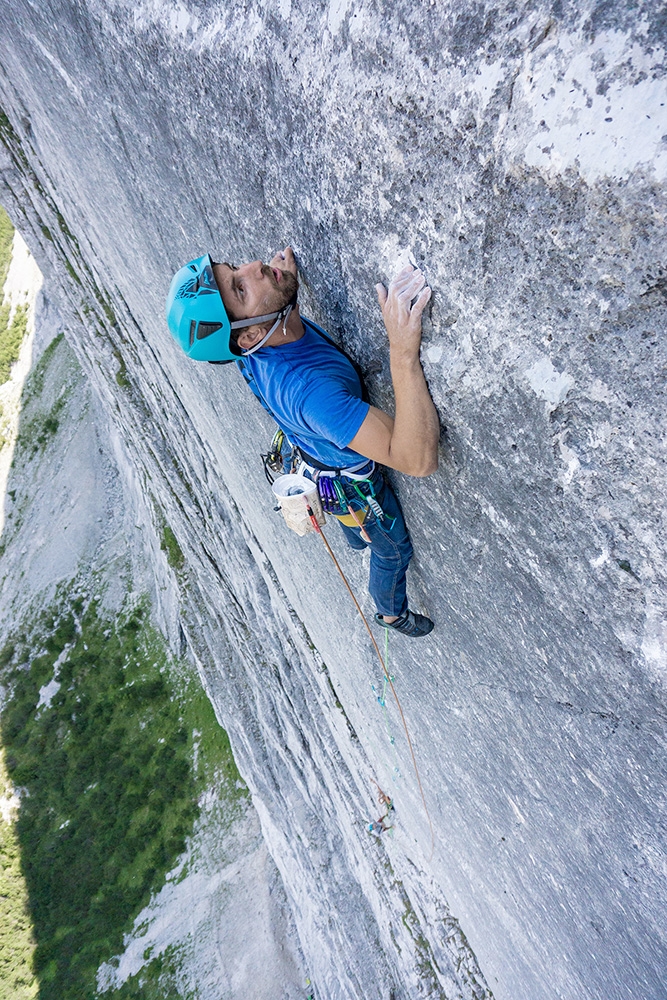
[347, 494]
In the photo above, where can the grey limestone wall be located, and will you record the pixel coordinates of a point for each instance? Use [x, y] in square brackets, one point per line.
[518, 151]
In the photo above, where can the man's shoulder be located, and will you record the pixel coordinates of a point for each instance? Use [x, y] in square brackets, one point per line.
[315, 328]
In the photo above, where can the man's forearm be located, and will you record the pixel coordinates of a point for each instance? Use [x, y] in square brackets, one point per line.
[414, 440]
[409, 442]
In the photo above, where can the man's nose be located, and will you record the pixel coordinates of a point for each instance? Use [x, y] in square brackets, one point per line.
[253, 269]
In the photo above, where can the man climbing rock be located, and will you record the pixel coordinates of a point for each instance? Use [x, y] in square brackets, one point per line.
[249, 314]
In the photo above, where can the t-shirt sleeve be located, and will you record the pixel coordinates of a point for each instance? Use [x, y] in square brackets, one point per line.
[333, 412]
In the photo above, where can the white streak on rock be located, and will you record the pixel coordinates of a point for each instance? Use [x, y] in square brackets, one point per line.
[466, 346]
[485, 81]
[516, 811]
[337, 11]
[548, 383]
[597, 106]
[46, 693]
[59, 68]
[571, 460]
[654, 642]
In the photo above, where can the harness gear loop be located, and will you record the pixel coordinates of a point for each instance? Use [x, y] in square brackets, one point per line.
[347, 506]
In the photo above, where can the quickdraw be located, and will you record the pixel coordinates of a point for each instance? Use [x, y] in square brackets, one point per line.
[382, 824]
[276, 462]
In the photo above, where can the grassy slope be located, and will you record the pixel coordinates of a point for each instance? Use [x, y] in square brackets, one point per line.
[110, 772]
[11, 334]
[17, 944]
[6, 238]
[111, 786]
[11, 338]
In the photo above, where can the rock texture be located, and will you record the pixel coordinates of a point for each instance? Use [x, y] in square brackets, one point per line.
[518, 152]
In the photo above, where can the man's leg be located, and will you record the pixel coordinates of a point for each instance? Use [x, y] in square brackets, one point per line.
[353, 538]
[390, 547]
[391, 551]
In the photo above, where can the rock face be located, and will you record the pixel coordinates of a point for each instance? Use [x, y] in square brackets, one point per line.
[518, 152]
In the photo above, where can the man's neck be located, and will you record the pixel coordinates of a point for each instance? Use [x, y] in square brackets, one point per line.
[293, 331]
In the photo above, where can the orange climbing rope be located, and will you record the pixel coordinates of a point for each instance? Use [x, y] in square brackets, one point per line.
[331, 552]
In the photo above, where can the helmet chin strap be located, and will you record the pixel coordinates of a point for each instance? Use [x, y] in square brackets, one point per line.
[283, 315]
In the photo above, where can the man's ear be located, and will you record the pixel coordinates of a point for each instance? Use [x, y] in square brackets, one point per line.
[250, 336]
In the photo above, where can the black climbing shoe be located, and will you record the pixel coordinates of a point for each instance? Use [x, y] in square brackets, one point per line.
[409, 623]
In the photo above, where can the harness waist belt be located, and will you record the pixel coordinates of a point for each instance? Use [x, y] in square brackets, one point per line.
[364, 471]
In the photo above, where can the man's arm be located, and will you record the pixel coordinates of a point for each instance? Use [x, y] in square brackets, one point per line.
[409, 441]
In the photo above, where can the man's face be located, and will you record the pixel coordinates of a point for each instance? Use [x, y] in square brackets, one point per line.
[254, 289]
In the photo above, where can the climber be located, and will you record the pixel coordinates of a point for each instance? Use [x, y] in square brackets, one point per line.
[249, 314]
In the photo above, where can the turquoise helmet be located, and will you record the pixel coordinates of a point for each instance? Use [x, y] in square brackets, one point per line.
[198, 320]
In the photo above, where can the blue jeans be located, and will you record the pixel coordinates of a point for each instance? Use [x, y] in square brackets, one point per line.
[390, 547]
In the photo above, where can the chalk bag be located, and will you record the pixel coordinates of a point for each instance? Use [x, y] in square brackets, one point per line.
[294, 495]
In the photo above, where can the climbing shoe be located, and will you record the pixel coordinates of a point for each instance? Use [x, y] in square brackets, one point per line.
[409, 623]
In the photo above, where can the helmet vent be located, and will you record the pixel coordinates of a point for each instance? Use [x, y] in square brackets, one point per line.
[206, 329]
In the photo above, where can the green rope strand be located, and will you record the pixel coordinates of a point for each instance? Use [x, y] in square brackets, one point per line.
[395, 770]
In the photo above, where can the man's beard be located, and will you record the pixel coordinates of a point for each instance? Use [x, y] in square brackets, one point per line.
[287, 289]
[290, 286]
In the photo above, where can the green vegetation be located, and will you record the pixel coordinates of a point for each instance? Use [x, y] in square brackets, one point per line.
[169, 544]
[71, 271]
[158, 980]
[111, 784]
[121, 375]
[4, 429]
[11, 334]
[17, 980]
[11, 338]
[34, 385]
[6, 239]
[34, 434]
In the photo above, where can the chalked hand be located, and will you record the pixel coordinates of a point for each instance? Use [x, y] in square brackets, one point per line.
[402, 306]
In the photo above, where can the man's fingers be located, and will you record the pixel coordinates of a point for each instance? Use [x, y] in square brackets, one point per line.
[382, 294]
[405, 275]
[407, 279]
[421, 302]
[411, 287]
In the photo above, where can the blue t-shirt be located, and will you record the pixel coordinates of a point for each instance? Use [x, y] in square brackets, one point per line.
[314, 394]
